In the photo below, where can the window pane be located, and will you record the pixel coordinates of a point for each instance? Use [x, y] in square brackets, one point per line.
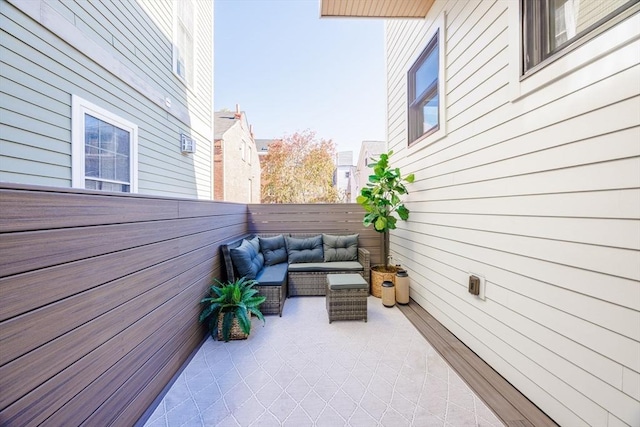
[122, 140]
[427, 73]
[91, 185]
[107, 136]
[568, 18]
[423, 114]
[122, 168]
[107, 165]
[91, 161]
[91, 135]
[106, 186]
[107, 153]
[430, 113]
[184, 50]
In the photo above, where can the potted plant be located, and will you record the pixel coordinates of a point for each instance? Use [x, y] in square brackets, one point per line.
[381, 201]
[231, 304]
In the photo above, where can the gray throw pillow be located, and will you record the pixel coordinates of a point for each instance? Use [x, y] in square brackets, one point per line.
[273, 249]
[247, 261]
[340, 248]
[305, 250]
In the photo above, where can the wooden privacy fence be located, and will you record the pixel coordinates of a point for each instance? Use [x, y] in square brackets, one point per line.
[99, 298]
[316, 218]
[99, 293]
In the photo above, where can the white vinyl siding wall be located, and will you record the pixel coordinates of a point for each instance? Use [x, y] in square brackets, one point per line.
[121, 60]
[536, 188]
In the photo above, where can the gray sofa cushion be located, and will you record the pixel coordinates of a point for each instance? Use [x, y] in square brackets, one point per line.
[273, 249]
[247, 261]
[340, 248]
[327, 266]
[346, 281]
[273, 275]
[305, 250]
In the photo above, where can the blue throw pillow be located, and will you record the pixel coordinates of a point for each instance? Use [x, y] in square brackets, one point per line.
[255, 242]
[273, 249]
[247, 261]
[305, 250]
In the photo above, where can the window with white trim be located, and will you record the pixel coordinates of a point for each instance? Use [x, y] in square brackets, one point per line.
[551, 26]
[184, 32]
[104, 149]
[423, 92]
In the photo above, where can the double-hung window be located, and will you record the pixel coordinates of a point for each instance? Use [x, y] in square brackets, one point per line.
[424, 99]
[552, 26]
[184, 31]
[104, 149]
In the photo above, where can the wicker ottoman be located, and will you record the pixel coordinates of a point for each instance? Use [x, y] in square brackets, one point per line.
[346, 297]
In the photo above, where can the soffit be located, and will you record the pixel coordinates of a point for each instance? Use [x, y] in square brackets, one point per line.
[375, 8]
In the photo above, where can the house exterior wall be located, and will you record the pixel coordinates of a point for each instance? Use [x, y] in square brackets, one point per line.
[535, 186]
[118, 56]
[241, 164]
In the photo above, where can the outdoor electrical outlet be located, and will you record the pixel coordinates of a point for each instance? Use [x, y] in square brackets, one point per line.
[477, 285]
[474, 285]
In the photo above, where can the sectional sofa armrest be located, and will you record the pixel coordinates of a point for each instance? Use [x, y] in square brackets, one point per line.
[364, 258]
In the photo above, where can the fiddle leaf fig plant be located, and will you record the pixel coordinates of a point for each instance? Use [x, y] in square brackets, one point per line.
[381, 198]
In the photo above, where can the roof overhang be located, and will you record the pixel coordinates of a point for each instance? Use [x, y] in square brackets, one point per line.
[375, 8]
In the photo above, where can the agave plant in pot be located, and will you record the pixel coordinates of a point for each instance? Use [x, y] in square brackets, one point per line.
[228, 308]
[381, 202]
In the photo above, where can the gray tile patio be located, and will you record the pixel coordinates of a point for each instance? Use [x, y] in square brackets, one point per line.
[299, 370]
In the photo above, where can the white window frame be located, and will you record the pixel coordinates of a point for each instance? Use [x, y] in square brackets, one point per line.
[194, 51]
[79, 108]
[438, 28]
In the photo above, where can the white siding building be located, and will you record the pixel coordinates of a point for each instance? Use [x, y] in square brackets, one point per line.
[102, 95]
[369, 151]
[344, 179]
[527, 164]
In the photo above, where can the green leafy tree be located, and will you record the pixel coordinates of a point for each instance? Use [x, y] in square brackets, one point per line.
[299, 169]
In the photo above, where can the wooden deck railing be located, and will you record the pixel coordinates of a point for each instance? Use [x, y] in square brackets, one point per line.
[99, 293]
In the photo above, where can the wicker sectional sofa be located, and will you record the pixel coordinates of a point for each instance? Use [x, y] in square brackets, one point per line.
[293, 264]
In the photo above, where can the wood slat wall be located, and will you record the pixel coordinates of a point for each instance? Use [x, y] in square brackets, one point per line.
[316, 218]
[99, 298]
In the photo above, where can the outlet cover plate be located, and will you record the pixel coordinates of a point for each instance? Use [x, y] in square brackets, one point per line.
[481, 295]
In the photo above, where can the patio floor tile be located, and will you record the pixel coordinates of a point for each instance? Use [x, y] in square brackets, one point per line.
[300, 370]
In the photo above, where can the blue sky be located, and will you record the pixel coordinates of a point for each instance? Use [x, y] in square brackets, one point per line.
[290, 70]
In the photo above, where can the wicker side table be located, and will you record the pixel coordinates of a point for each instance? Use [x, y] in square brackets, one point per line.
[346, 297]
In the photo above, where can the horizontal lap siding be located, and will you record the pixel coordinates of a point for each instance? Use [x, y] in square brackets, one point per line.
[541, 196]
[316, 218]
[40, 73]
[101, 310]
